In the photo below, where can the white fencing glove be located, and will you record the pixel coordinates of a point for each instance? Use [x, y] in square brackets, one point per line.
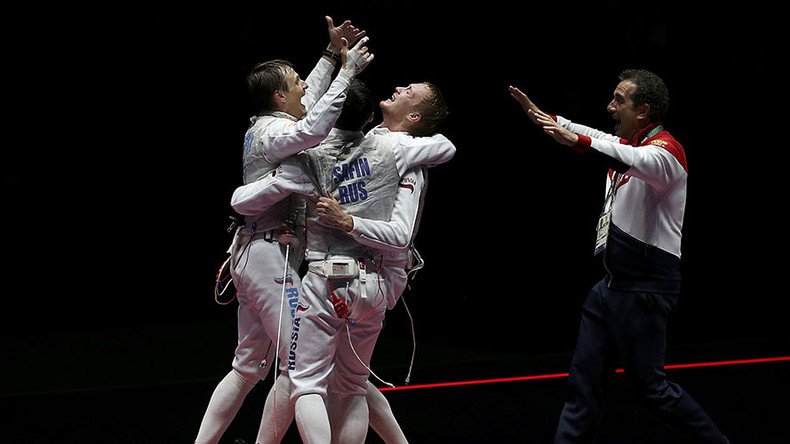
[357, 58]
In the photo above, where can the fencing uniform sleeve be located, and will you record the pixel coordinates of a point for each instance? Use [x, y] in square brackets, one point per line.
[412, 151]
[396, 234]
[285, 138]
[257, 197]
[318, 82]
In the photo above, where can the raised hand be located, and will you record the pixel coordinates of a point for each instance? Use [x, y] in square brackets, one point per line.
[554, 129]
[344, 31]
[527, 104]
[360, 54]
[356, 59]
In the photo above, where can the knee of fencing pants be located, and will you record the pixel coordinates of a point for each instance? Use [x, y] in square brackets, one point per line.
[254, 354]
[301, 387]
[349, 380]
[253, 364]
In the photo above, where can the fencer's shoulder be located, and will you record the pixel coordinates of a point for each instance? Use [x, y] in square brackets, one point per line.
[338, 137]
[271, 123]
[382, 131]
[379, 131]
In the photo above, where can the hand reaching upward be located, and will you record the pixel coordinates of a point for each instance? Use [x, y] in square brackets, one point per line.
[525, 102]
[344, 31]
[356, 59]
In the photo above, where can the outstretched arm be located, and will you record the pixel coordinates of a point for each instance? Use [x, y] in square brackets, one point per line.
[534, 114]
[554, 129]
[656, 166]
[530, 108]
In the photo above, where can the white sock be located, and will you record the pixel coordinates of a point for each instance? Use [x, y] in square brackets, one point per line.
[349, 419]
[225, 403]
[312, 419]
[278, 412]
[382, 420]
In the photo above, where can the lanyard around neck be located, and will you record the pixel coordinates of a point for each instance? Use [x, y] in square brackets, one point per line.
[652, 133]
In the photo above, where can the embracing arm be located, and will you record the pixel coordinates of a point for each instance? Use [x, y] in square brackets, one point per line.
[394, 235]
[413, 151]
[257, 197]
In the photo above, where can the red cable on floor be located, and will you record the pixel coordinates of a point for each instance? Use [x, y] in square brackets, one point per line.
[562, 375]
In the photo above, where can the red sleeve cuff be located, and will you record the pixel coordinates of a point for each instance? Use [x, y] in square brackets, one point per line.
[583, 144]
[553, 117]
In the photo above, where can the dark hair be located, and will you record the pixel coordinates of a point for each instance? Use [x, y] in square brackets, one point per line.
[433, 111]
[650, 89]
[357, 108]
[266, 78]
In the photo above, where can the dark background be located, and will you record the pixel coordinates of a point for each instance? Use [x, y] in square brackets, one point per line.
[126, 131]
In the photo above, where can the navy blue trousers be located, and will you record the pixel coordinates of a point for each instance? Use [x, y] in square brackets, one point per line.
[632, 326]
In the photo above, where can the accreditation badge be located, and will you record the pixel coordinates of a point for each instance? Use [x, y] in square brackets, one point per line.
[602, 232]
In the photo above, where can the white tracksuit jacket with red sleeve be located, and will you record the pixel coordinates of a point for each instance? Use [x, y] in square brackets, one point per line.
[643, 248]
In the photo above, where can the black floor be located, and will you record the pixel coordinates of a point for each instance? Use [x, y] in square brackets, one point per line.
[161, 398]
